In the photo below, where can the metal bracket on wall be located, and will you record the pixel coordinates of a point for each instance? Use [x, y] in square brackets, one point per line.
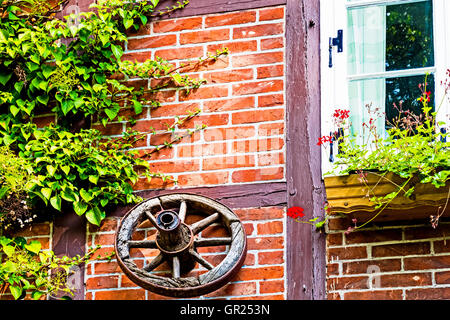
[336, 42]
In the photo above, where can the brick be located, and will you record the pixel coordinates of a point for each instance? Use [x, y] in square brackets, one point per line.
[110, 129]
[163, 154]
[175, 166]
[257, 87]
[201, 150]
[270, 71]
[131, 294]
[204, 93]
[249, 146]
[257, 59]
[428, 294]
[177, 25]
[258, 243]
[150, 125]
[180, 53]
[263, 174]
[220, 163]
[162, 96]
[338, 223]
[137, 56]
[37, 229]
[171, 110]
[200, 179]
[270, 257]
[271, 129]
[359, 267]
[220, 134]
[154, 183]
[271, 14]
[442, 277]
[272, 43]
[104, 239]
[334, 239]
[204, 36]
[441, 246]
[428, 262]
[272, 227]
[346, 253]
[152, 42]
[373, 236]
[374, 295]
[234, 46]
[142, 31]
[401, 249]
[235, 289]
[205, 65]
[261, 30]
[229, 104]
[265, 297]
[230, 19]
[265, 213]
[272, 286]
[44, 121]
[347, 283]
[405, 280]
[207, 120]
[270, 159]
[229, 76]
[332, 269]
[257, 116]
[260, 273]
[106, 267]
[102, 282]
[271, 100]
[427, 232]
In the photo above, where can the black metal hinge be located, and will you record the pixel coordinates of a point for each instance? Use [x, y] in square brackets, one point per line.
[336, 42]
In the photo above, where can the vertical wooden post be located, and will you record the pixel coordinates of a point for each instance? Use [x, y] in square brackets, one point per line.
[305, 261]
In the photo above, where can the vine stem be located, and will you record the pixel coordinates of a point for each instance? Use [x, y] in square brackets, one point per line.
[384, 207]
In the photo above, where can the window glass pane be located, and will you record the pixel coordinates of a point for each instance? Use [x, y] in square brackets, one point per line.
[405, 91]
[389, 38]
[409, 36]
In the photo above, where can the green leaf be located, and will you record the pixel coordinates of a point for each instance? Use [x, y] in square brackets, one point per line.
[8, 250]
[56, 202]
[93, 179]
[127, 23]
[47, 70]
[95, 216]
[36, 295]
[80, 207]
[51, 170]
[86, 195]
[46, 192]
[16, 291]
[69, 195]
[34, 246]
[111, 113]
[117, 51]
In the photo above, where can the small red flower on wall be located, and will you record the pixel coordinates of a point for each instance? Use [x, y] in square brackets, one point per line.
[295, 212]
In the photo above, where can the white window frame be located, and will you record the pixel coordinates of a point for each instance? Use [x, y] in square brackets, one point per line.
[334, 81]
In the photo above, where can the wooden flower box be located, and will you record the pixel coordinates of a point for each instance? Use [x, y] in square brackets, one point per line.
[349, 195]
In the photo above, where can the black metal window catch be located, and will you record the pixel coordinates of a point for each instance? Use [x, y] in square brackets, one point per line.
[336, 137]
[336, 42]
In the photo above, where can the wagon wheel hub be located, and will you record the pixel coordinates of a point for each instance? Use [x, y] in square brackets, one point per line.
[177, 243]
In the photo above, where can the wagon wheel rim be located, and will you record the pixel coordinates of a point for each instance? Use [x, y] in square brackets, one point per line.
[176, 285]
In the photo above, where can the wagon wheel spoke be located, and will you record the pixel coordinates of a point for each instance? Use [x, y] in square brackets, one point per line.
[151, 218]
[156, 262]
[212, 242]
[145, 244]
[182, 212]
[175, 267]
[201, 260]
[202, 224]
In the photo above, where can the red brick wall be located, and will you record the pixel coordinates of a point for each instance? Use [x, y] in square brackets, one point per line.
[395, 261]
[243, 105]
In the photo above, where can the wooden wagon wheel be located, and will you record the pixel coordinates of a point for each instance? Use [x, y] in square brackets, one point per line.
[177, 243]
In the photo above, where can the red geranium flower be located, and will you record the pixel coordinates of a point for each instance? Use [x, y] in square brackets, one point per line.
[295, 212]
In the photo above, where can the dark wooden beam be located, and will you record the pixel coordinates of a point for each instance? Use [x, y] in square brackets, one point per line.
[200, 7]
[233, 196]
[305, 261]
